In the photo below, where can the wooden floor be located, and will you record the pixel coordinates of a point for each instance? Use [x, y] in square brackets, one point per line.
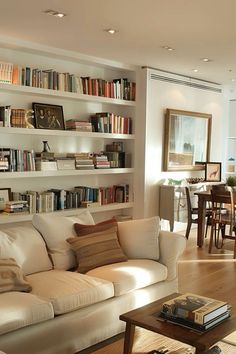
[206, 274]
[212, 274]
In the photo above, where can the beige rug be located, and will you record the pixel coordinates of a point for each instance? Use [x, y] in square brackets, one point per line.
[146, 341]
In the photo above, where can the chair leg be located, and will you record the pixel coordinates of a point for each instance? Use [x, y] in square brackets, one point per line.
[235, 247]
[213, 227]
[188, 230]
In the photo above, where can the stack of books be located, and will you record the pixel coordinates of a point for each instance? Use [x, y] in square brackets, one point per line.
[16, 207]
[101, 161]
[78, 125]
[195, 312]
[83, 160]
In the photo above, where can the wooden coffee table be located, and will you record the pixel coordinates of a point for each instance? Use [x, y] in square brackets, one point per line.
[144, 317]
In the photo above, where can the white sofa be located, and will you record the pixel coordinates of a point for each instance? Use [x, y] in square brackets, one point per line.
[66, 311]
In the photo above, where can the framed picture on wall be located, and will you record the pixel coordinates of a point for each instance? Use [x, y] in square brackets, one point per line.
[186, 140]
[213, 171]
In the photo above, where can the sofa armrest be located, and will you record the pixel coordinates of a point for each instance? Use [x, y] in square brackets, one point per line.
[172, 246]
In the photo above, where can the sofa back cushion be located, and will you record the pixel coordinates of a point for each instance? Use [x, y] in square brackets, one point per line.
[12, 277]
[27, 247]
[55, 230]
[140, 238]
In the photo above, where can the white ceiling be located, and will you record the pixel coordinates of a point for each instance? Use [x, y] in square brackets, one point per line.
[194, 28]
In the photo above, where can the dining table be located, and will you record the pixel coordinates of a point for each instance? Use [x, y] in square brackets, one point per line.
[203, 198]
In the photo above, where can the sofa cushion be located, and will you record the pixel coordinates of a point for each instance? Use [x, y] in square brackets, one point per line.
[27, 247]
[68, 291]
[12, 277]
[55, 230]
[131, 275]
[19, 310]
[140, 238]
[97, 248]
[82, 229]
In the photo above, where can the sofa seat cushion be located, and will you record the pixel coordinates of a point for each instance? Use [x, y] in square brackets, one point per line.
[131, 275]
[69, 291]
[19, 310]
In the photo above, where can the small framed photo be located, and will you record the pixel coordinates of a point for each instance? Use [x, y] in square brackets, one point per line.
[213, 171]
[5, 196]
[48, 116]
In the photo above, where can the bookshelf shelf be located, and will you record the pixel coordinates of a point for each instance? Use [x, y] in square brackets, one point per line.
[47, 132]
[6, 219]
[37, 174]
[42, 92]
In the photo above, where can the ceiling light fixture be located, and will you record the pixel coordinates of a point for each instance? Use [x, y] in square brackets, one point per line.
[54, 13]
[232, 80]
[206, 60]
[167, 48]
[195, 70]
[111, 31]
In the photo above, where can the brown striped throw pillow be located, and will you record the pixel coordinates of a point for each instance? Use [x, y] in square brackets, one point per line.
[97, 247]
[82, 229]
[12, 277]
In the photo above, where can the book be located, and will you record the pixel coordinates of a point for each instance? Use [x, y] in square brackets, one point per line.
[195, 308]
[195, 326]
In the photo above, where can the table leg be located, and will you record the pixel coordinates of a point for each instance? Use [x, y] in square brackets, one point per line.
[129, 338]
[201, 221]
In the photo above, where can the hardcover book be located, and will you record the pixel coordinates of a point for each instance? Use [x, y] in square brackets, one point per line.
[195, 308]
[193, 325]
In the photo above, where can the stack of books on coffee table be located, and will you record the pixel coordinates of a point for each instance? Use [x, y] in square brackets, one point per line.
[195, 312]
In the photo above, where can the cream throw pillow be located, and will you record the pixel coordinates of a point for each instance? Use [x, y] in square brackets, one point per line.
[12, 277]
[140, 238]
[27, 247]
[55, 230]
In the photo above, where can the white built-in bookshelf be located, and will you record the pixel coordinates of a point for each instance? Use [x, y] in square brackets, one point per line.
[75, 105]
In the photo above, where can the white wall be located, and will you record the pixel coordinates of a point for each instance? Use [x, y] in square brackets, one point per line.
[159, 96]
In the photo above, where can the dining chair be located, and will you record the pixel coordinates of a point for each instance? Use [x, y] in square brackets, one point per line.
[192, 214]
[223, 220]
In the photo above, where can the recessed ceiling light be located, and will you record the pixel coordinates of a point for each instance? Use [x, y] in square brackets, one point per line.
[54, 13]
[167, 48]
[232, 80]
[111, 31]
[206, 60]
[195, 70]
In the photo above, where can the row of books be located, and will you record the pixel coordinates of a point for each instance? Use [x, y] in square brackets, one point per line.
[195, 312]
[105, 122]
[6, 70]
[14, 160]
[120, 88]
[5, 116]
[60, 199]
[17, 160]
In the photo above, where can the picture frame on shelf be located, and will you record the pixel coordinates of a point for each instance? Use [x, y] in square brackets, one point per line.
[48, 116]
[5, 196]
[213, 171]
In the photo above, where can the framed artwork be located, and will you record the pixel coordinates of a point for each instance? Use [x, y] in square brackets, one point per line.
[5, 196]
[186, 140]
[48, 116]
[213, 171]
